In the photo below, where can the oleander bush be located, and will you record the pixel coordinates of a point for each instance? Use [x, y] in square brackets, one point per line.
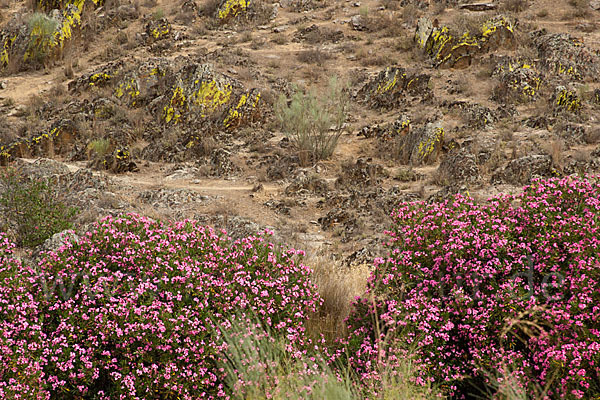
[498, 300]
[134, 308]
[21, 336]
[485, 293]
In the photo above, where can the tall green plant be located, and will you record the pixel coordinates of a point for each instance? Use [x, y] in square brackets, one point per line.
[313, 124]
[31, 210]
[42, 30]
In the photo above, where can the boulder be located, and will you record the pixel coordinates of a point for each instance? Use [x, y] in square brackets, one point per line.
[459, 166]
[230, 9]
[394, 86]
[456, 50]
[566, 56]
[521, 170]
[566, 99]
[243, 111]
[58, 240]
[158, 29]
[306, 182]
[421, 145]
[363, 173]
[520, 81]
[358, 23]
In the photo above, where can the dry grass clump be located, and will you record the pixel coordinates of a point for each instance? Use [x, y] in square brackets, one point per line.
[556, 150]
[515, 5]
[463, 23]
[580, 8]
[313, 56]
[338, 286]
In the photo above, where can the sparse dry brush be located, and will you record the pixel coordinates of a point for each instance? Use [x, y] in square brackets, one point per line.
[314, 124]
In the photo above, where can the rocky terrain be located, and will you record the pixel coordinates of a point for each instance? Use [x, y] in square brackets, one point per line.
[167, 108]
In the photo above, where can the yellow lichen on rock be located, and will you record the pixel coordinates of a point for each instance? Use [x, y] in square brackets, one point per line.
[158, 29]
[232, 8]
[178, 101]
[130, 88]
[437, 43]
[211, 96]
[426, 147]
[244, 111]
[389, 83]
[6, 47]
[568, 100]
[99, 78]
[492, 25]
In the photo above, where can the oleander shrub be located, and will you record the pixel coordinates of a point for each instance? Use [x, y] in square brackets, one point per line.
[506, 290]
[21, 336]
[133, 309]
[31, 209]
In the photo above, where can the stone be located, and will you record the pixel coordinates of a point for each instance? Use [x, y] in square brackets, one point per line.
[520, 81]
[422, 145]
[363, 173]
[158, 30]
[478, 6]
[358, 23]
[566, 56]
[59, 240]
[521, 170]
[394, 86]
[566, 99]
[459, 166]
[456, 50]
[306, 182]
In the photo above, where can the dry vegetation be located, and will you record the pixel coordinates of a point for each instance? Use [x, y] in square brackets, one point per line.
[331, 192]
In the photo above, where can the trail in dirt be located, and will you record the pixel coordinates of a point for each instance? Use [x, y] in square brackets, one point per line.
[21, 87]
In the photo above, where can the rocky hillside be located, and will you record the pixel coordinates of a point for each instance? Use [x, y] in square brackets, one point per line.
[173, 109]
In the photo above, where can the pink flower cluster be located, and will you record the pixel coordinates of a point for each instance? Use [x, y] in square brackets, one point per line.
[510, 288]
[135, 309]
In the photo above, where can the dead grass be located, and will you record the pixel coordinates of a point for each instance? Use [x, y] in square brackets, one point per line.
[543, 13]
[379, 60]
[390, 4]
[515, 6]
[338, 286]
[313, 56]
[279, 39]
[386, 24]
[410, 14]
[439, 8]
[556, 149]
[463, 23]
[581, 8]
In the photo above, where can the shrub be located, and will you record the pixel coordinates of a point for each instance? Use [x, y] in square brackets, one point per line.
[259, 366]
[510, 286]
[131, 309]
[100, 147]
[32, 210]
[20, 329]
[313, 124]
[41, 38]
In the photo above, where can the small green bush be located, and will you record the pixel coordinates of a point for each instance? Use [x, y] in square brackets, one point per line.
[99, 147]
[42, 30]
[31, 210]
[314, 124]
